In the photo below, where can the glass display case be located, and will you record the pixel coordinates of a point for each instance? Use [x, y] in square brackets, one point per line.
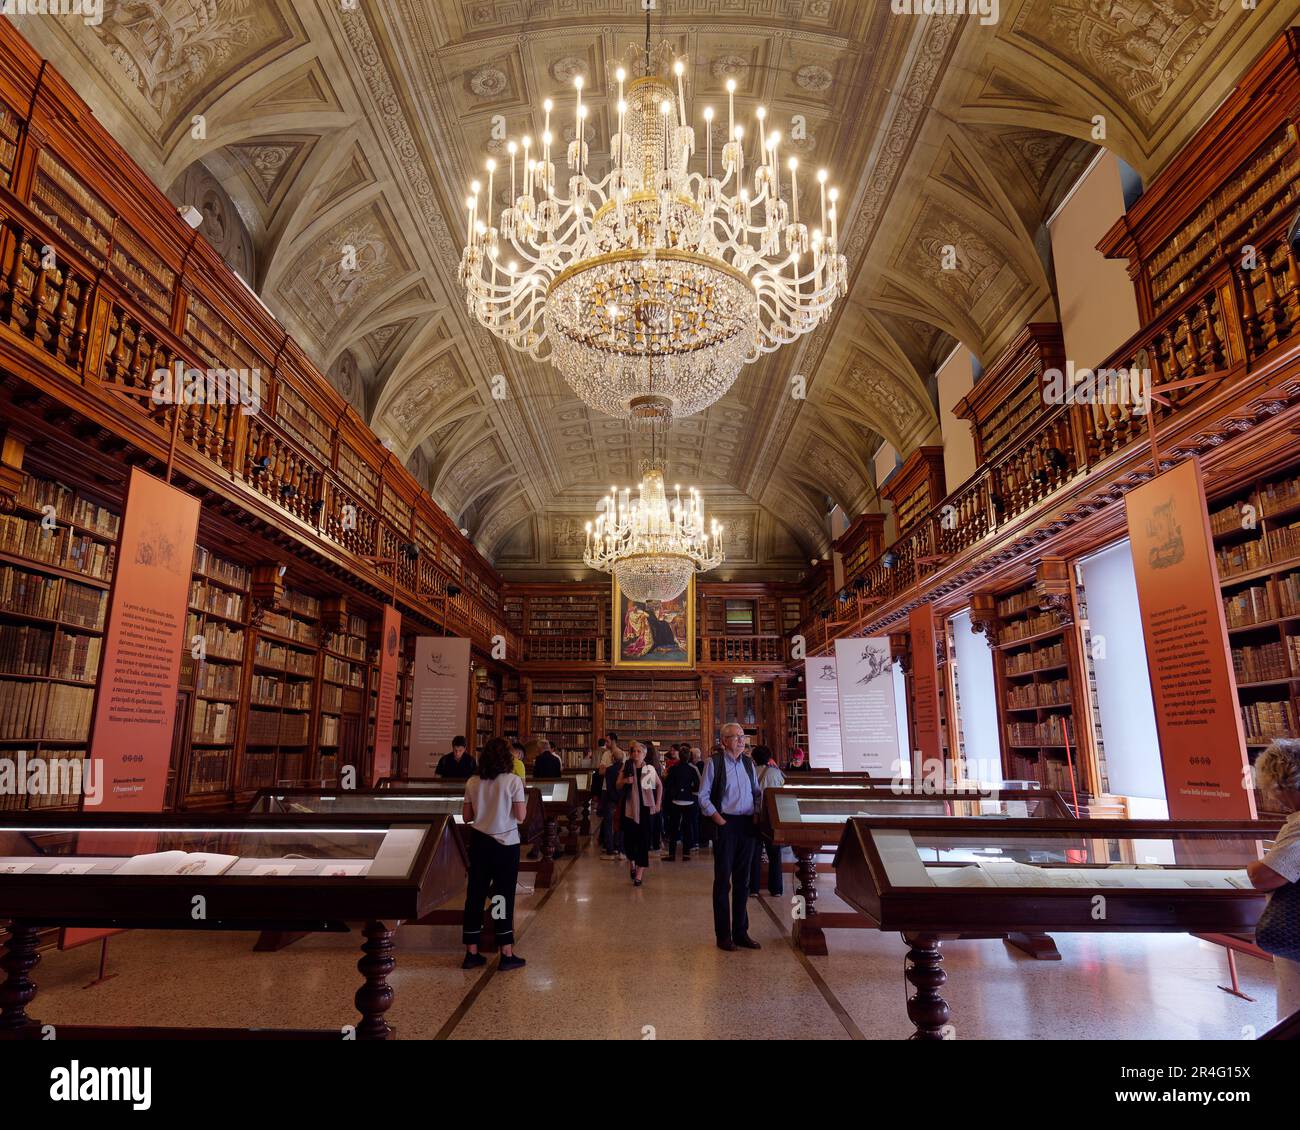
[935, 878]
[547, 801]
[220, 872]
[809, 819]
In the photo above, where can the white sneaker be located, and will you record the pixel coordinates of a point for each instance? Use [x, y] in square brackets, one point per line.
[610, 855]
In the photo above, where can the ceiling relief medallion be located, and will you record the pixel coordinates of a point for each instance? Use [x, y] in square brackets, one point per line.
[813, 77]
[1142, 48]
[488, 83]
[728, 66]
[564, 70]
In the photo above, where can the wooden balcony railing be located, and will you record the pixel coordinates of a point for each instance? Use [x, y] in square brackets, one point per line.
[744, 650]
[1230, 325]
[89, 333]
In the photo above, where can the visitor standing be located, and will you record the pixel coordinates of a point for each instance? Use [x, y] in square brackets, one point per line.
[682, 788]
[769, 777]
[494, 806]
[729, 798]
[642, 792]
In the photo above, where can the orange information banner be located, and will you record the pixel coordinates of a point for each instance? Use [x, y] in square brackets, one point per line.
[1202, 744]
[135, 710]
[390, 645]
[925, 693]
[135, 707]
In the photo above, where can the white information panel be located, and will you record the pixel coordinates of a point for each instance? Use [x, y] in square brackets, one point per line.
[868, 736]
[823, 713]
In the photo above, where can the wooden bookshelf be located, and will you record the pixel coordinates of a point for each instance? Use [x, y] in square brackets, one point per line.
[1035, 668]
[217, 625]
[57, 552]
[344, 674]
[658, 710]
[511, 707]
[282, 703]
[487, 695]
[1256, 534]
[561, 710]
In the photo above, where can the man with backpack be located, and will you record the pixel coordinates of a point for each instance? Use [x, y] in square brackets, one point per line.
[683, 789]
[729, 797]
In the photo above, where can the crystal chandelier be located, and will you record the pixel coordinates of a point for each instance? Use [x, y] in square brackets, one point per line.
[650, 287]
[651, 545]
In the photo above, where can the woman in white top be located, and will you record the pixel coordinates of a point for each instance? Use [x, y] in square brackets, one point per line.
[494, 807]
[1277, 772]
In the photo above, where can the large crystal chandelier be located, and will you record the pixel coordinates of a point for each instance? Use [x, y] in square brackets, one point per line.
[651, 545]
[651, 286]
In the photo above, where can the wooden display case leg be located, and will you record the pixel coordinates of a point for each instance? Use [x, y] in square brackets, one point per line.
[571, 844]
[1235, 989]
[551, 839]
[927, 1010]
[375, 997]
[807, 936]
[1041, 947]
[18, 989]
[584, 828]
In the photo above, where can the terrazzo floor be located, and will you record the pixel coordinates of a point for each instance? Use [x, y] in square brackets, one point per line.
[610, 961]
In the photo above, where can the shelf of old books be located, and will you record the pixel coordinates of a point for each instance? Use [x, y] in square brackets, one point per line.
[56, 561]
[511, 700]
[281, 704]
[1256, 534]
[217, 633]
[658, 710]
[1034, 666]
[562, 712]
[344, 671]
[488, 692]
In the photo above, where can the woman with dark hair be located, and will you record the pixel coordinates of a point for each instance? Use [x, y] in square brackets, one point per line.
[494, 807]
[657, 824]
[642, 794]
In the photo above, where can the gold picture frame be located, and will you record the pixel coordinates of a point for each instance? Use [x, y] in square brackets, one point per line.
[631, 641]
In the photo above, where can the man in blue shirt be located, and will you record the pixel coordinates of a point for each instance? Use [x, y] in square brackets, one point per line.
[729, 797]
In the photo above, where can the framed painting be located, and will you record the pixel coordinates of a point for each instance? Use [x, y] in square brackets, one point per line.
[654, 634]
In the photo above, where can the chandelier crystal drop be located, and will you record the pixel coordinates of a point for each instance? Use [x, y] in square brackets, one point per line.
[651, 287]
[652, 545]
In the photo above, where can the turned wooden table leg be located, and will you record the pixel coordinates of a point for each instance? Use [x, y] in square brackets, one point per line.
[375, 997]
[928, 1011]
[571, 840]
[584, 828]
[548, 844]
[806, 934]
[18, 989]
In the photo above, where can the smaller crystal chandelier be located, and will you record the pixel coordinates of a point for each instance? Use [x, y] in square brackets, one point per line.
[651, 545]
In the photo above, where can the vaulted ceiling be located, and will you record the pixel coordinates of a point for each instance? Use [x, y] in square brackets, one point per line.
[326, 125]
